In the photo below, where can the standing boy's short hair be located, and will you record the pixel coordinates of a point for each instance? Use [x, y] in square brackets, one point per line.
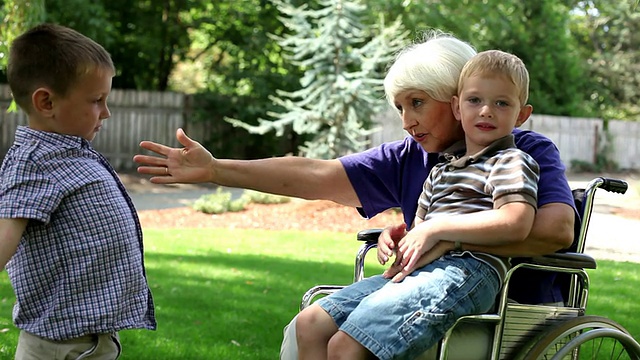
[496, 62]
[54, 57]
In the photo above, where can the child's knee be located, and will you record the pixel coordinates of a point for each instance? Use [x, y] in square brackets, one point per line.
[313, 324]
[308, 319]
[343, 346]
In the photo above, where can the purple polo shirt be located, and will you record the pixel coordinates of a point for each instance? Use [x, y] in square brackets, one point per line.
[392, 174]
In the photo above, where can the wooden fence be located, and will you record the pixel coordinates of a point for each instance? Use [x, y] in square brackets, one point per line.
[135, 116]
[625, 136]
[145, 115]
[577, 138]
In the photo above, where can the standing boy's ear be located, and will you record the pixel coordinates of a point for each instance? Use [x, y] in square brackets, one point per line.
[455, 107]
[42, 102]
[524, 114]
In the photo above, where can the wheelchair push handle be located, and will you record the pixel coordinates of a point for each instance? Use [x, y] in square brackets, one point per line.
[614, 185]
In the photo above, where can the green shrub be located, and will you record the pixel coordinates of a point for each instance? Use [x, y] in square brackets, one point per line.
[602, 165]
[219, 202]
[604, 158]
[258, 197]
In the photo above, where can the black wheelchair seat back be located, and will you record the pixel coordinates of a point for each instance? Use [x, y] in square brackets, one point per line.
[578, 199]
[563, 281]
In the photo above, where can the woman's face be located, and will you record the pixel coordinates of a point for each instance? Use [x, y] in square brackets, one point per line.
[430, 122]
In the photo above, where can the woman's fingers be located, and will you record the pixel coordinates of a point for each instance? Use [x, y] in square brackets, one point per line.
[184, 139]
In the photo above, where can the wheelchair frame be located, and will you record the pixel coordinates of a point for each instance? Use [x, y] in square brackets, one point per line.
[531, 332]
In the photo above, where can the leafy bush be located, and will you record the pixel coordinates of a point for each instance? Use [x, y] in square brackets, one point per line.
[258, 197]
[219, 202]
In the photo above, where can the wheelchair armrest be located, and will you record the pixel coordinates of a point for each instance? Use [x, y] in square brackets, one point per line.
[569, 260]
[369, 235]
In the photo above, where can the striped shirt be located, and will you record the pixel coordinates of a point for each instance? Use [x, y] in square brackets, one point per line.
[79, 267]
[497, 175]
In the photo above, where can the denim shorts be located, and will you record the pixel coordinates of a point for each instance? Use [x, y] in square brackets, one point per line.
[402, 320]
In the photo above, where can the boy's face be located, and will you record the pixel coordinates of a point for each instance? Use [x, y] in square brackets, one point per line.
[84, 107]
[489, 108]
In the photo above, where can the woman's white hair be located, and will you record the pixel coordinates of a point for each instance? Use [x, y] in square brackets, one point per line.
[432, 66]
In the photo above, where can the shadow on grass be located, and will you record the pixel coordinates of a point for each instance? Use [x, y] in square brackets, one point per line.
[213, 304]
[222, 306]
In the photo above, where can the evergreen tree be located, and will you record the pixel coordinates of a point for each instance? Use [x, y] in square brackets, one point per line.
[343, 64]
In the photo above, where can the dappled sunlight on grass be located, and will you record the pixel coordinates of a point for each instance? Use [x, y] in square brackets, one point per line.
[234, 290]
[614, 293]
[227, 294]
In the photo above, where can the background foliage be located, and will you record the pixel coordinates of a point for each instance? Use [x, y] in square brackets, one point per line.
[343, 62]
[582, 55]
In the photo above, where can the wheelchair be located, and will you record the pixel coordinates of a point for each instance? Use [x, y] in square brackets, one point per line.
[527, 331]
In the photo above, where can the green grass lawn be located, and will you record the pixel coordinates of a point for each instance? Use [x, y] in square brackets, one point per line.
[227, 294]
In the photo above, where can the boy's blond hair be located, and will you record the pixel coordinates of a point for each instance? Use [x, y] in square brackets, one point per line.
[54, 57]
[496, 62]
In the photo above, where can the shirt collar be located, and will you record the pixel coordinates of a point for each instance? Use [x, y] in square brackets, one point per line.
[25, 135]
[454, 154]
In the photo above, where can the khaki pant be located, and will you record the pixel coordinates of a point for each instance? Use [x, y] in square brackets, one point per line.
[89, 347]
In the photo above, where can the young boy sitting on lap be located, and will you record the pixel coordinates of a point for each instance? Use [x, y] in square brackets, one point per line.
[484, 182]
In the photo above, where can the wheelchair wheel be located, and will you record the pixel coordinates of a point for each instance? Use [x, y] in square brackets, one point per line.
[585, 337]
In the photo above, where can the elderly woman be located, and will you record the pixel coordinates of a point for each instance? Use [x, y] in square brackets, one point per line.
[391, 175]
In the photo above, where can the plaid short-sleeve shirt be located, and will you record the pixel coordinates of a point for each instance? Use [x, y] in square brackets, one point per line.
[79, 267]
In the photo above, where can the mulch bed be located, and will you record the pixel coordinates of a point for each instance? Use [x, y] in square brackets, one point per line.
[298, 214]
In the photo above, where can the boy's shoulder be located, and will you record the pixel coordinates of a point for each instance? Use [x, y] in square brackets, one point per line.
[20, 163]
[21, 152]
[513, 155]
[33, 149]
[38, 141]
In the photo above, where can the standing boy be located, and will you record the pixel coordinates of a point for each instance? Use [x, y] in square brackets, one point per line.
[484, 182]
[69, 234]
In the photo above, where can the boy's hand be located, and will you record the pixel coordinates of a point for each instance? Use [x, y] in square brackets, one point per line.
[388, 241]
[417, 242]
[397, 272]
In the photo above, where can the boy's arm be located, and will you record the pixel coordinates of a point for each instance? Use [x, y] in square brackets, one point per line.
[511, 223]
[553, 229]
[10, 234]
